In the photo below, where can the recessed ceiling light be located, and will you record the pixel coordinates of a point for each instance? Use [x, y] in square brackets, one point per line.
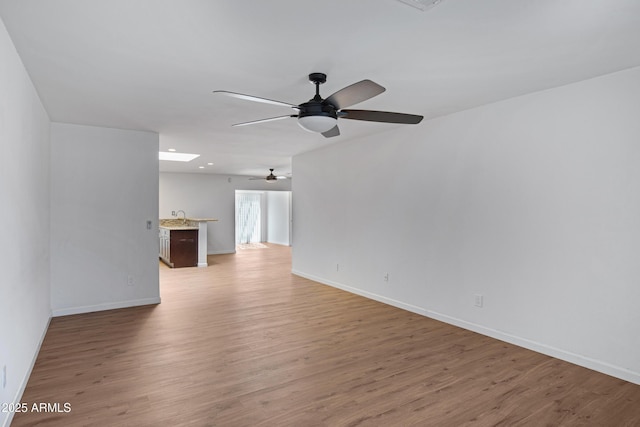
[177, 157]
[210, 164]
[201, 167]
[172, 149]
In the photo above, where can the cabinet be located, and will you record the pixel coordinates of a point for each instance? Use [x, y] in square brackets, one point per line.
[179, 248]
[164, 245]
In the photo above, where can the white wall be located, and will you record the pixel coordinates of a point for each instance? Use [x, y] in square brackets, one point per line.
[104, 188]
[533, 203]
[278, 217]
[210, 196]
[24, 215]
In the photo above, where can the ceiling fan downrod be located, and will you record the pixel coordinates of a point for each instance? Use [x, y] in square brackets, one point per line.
[317, 79]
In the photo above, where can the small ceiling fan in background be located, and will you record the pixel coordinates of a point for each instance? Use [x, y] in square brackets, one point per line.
[321, 115]
[270, 178]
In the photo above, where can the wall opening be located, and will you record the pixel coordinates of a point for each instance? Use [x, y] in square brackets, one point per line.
[249, 211]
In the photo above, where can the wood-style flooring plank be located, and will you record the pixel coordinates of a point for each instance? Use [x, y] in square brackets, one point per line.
[244, 342]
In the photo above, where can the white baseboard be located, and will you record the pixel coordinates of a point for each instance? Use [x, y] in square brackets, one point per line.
[223, 252]
[567, 356]
[106, 306]
[278, 243]
[576, 359]
[25, 379]
[366, 294]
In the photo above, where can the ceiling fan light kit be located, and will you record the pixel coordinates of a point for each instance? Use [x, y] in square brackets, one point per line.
[320, 115]
[317, 124]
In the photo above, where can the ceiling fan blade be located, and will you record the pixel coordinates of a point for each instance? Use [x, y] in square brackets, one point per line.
[255, 98]
[354, 94]
[380, 116]
[271, 119]
[334, 131]
[265, 178]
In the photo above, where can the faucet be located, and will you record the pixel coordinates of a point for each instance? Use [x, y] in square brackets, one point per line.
[184, 216]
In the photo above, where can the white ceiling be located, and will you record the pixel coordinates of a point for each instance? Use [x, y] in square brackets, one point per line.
[152, 64]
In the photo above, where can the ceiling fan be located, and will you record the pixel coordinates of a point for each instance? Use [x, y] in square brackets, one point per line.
[271, 177]
[321, 115]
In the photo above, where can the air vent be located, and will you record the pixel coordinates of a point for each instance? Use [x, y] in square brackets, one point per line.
[421, 4]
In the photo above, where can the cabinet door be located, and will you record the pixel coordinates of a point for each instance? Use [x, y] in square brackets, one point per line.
[184, 248]
[165, 248]
[164, 243]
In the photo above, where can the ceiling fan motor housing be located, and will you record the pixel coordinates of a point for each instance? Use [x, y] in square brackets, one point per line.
[271, 176]
[316, 107]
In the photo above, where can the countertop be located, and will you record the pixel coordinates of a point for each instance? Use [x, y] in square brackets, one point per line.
[179, 227]
[182, 224]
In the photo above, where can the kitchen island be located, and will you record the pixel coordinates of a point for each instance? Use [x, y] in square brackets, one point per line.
[183, 242]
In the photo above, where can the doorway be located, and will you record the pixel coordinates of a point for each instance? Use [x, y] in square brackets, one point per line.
[249, 211]
[263, 216]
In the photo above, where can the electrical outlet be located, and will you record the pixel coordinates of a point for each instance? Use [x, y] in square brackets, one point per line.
[337, 267]
[173, 213]
[4, 376]
[130, 281]
[479, 300]
[149, 225]
[386, 277]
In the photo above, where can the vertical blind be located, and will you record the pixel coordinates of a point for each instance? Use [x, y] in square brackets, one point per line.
[248, 218]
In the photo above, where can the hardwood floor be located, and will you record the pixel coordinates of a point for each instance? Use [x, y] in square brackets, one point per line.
[246, 343]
